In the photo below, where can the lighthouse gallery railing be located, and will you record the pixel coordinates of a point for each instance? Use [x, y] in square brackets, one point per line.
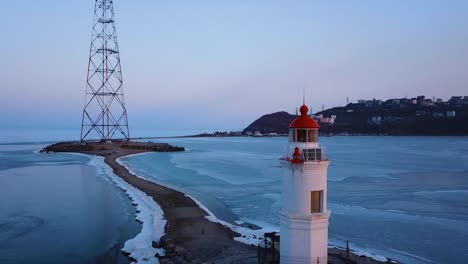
[314, 154]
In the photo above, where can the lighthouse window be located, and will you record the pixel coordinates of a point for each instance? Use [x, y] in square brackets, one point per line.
[312, 135]
[314, 154]
[292, 135]
[301, 135]
[316, 200]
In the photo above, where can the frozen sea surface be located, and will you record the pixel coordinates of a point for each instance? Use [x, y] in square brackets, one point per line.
[58, 209]
[402, 197]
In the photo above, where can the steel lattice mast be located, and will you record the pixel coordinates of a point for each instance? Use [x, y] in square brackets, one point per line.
[104, 112]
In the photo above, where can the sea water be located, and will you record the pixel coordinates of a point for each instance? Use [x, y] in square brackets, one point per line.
[58, 208]
[405, 198]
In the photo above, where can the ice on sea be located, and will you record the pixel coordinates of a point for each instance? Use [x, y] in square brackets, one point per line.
[149, 213]
[253, 236]
[332, 243]
[247, 235]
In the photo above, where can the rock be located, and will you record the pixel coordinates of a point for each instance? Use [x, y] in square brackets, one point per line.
[164, 241]
[179, 259]
[166, 261]
[180, 250]
[156, 244]
[170, 247]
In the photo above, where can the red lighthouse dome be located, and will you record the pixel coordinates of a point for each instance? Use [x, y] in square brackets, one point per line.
[304, 121]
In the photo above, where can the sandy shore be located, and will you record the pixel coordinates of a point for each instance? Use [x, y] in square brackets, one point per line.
[190, 237]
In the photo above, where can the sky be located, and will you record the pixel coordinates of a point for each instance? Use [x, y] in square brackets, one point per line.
[219, 65]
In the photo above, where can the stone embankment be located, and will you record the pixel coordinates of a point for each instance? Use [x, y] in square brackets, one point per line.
[104, 148]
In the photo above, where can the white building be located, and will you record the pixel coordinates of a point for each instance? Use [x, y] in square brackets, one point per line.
[304, 214]
[451, 113]
[373, 102]
[258, 134]
[377, 119]
[327, 120]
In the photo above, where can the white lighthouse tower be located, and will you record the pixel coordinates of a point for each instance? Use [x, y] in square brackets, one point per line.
[304, 215]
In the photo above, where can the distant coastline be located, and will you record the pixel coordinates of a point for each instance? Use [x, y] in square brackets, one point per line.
[231, 134]
[394, 117]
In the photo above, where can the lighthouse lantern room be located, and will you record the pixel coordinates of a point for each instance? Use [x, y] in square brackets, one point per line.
[304, 214]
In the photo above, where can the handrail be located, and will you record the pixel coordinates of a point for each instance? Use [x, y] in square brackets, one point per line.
[313, 154]
[307, 155]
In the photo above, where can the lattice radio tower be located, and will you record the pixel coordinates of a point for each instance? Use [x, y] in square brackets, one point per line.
[104, 112]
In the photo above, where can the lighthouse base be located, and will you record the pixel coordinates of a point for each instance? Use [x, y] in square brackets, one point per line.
[304, 239]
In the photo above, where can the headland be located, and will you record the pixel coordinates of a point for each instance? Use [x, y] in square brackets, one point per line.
[190, 236]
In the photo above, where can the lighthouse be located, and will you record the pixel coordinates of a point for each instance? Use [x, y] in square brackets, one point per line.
[304, 215]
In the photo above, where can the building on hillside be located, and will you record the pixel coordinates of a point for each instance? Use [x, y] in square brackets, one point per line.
[327, 120]
[428, 102]
[373, 102]
[454, 100]
[257, 134]
[394, 101]
[324, 120]
[404, 101]
[421, 100]
[377, 119]
[451, 113]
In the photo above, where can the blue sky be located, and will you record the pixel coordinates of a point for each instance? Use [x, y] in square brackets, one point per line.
[221, 64]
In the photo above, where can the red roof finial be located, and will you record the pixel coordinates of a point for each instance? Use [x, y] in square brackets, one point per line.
[304, 121]
[304, 110]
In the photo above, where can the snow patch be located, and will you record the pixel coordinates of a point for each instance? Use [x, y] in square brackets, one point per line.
[149, 213]
[412, 255]
[370, 255]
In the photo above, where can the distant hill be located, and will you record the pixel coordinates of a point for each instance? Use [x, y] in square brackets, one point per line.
[377, 117]
[272, 123]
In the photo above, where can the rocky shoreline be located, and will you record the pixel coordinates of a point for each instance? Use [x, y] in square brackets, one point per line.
[102, 148]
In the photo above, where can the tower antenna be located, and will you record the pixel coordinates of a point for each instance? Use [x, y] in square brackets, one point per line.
[104, 113]
[303, 96]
